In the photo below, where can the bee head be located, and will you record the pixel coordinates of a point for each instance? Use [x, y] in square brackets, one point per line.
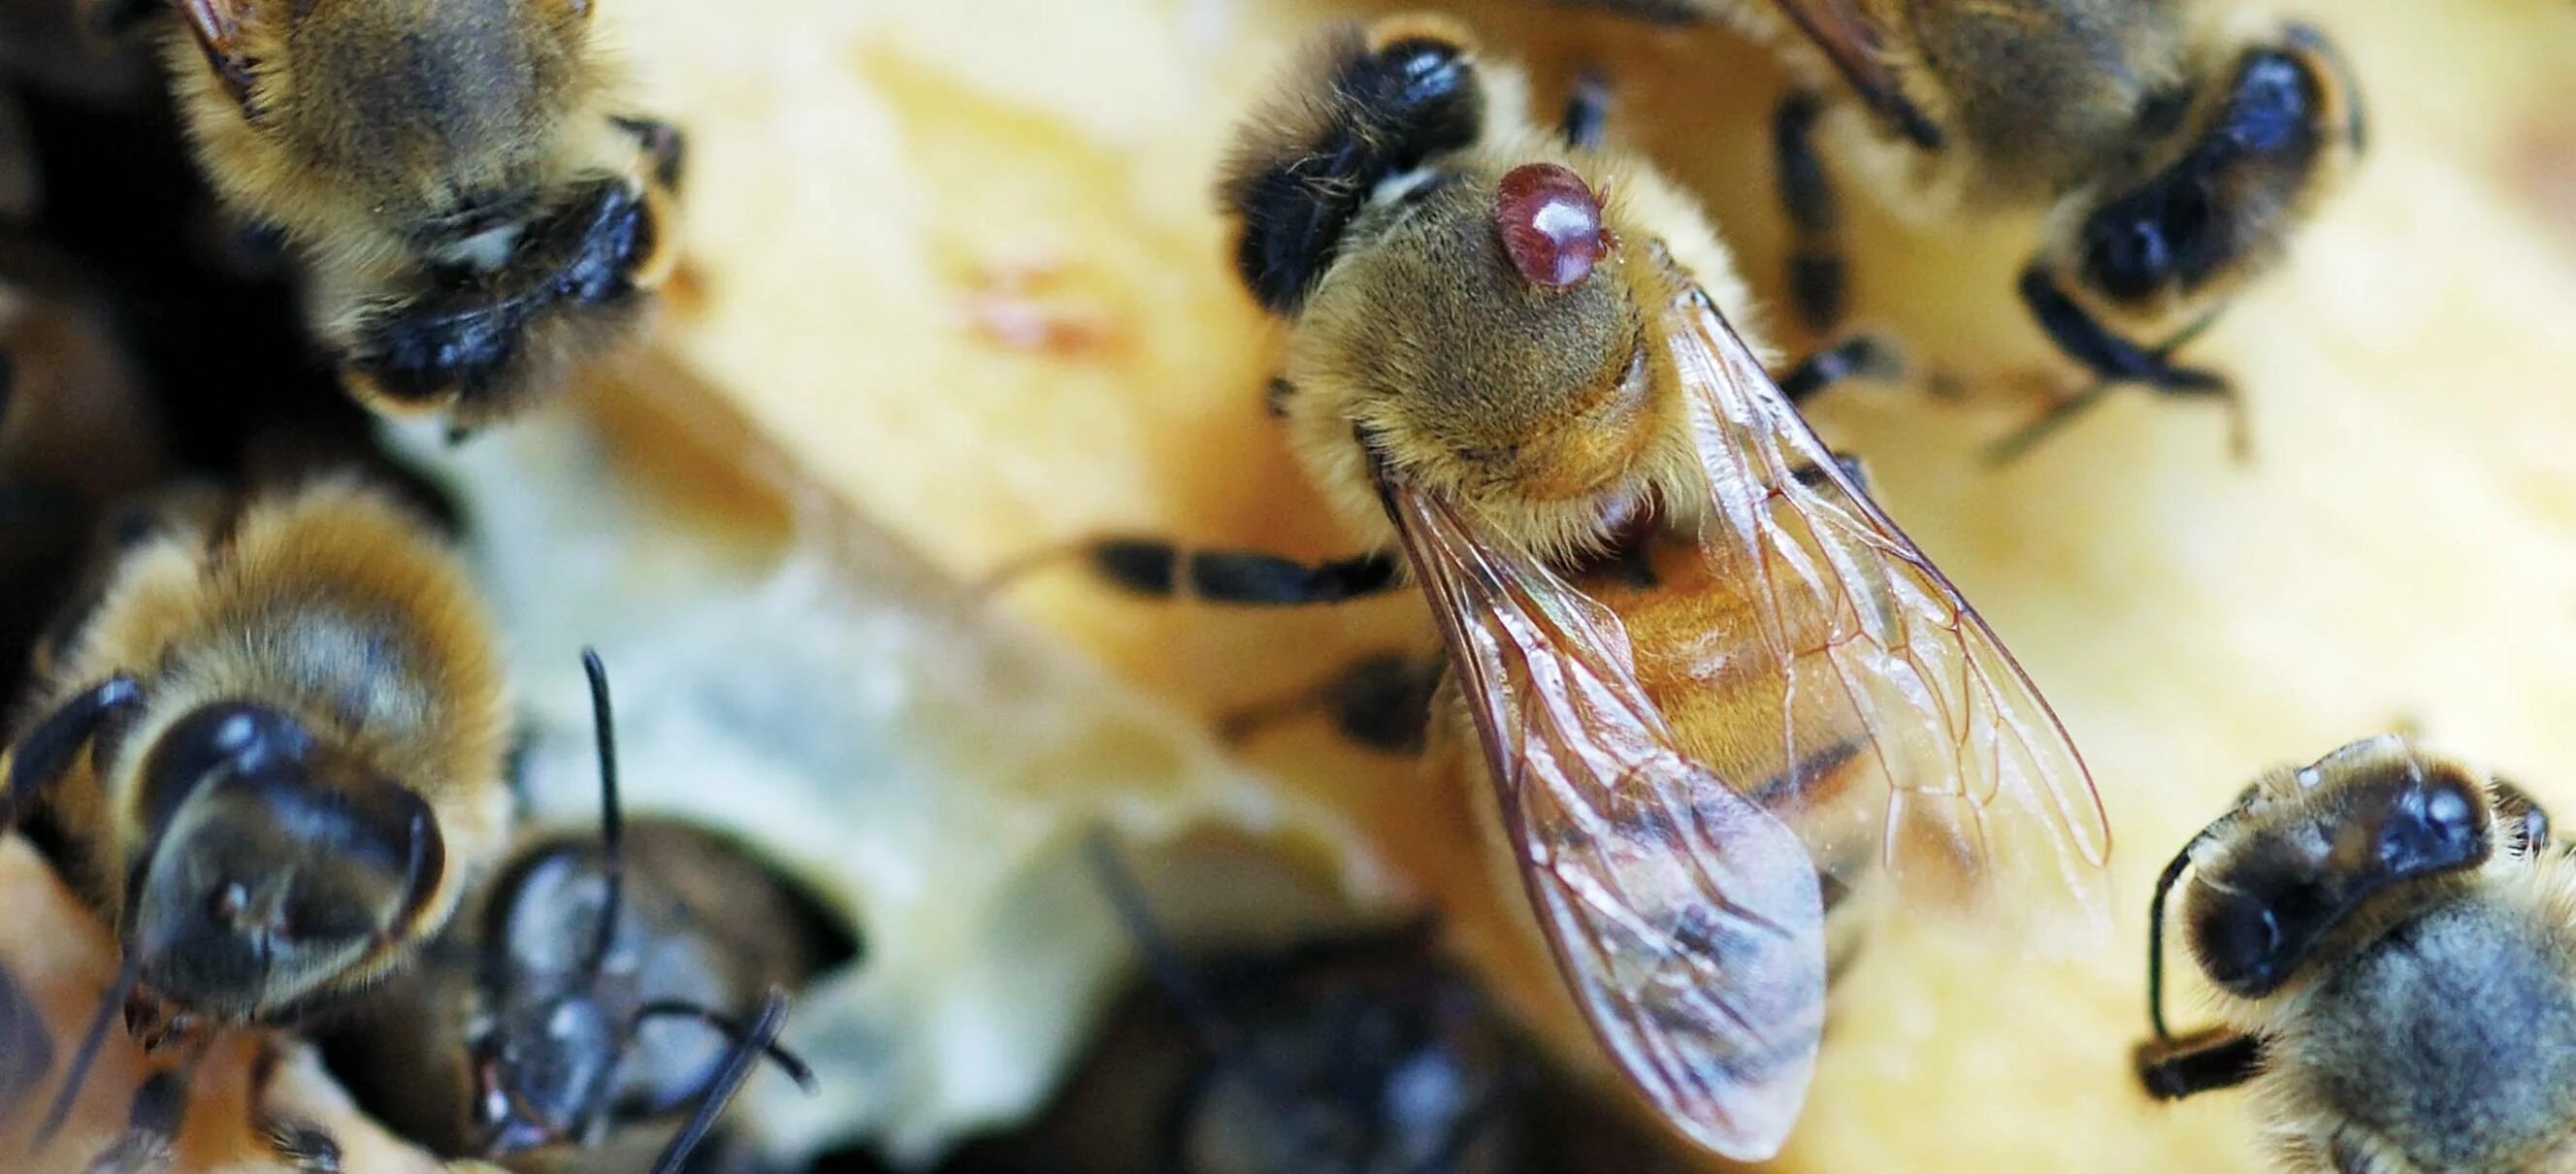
[2251, 161]
[276, 864]
[2353, 833]
[541, 1071]
[554, 1007]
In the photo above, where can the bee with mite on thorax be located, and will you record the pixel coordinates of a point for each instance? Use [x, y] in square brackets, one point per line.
[2392, 935]
[1508, 369]
[473, 210]
[268, 753]
[2174, 148]
[571, 1019]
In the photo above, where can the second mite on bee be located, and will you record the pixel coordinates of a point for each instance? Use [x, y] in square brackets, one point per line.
[1510, 372]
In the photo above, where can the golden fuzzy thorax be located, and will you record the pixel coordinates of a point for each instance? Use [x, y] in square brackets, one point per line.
[333, 604]
[1552, 412]
[366, 121]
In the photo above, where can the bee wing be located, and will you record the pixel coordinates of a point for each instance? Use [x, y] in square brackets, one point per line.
[1849, 40]
[1687, 920]
[1986, 799]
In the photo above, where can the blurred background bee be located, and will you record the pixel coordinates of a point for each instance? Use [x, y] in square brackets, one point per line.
[269, 753]
[1700, 663]
[77, 431]
[2174, 149]
[472, 208]
[2390, 935]
[578, 1017]
[1340, 1051]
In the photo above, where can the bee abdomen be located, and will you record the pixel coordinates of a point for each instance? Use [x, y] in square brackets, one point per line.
[1370, 112]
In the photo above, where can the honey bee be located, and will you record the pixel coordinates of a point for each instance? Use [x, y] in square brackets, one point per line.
[1506, 361]
[571, 1022]
[2388, 930]
[270, 755]
[1360, 1050]
[2175, 156]
[472, 210]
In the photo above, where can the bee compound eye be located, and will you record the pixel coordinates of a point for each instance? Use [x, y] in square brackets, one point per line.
[1551, 224]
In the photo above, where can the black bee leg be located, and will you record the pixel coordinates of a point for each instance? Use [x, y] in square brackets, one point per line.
[1668, 13]
[2517, 809]
[1853, 470]
[1153, 567]
[2113, 360]
[151, 1127]
[45, 753]
[1815, 217]
[1860, 356]
[2201, 1062]
[1587, 111]
[1381, 702]
[299, 1144]
[26, 1044]
[2104, 353]
[304, 1147]
[1275, 397]
[663, 144]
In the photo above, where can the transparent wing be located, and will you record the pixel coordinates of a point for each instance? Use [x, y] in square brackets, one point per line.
[1849, 40]
[1688, 922]
[1987, 805]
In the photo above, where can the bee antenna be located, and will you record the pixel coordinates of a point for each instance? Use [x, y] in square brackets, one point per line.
[1161, 957]
[2156, 938]
[612, 822]
[789, 1062]
[91, 1041]
[727, 1081]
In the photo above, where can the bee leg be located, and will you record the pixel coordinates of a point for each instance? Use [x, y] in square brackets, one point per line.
[1669, 13]
[2517, 809]
[301, 1145]
[2202, 1062]
[1587, 111]
[45, 753]
[2107, 355]
[304, 1147]
[1153, 567]
[1815, 217]
[26, 1044]
[1860, 356]
[663, 144]
[151, 1126]
[1381, 701]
